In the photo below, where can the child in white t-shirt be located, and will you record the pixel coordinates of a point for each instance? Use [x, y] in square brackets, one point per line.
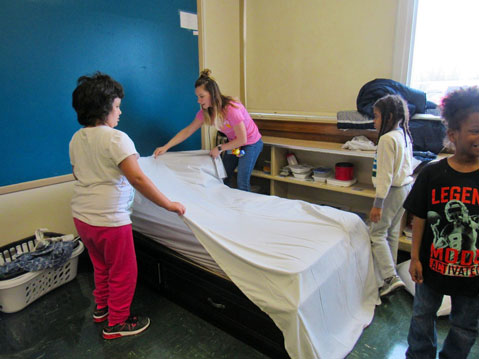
[105, 166]
[392, 178]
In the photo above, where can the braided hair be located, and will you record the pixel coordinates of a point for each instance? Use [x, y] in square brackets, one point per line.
[394, 113]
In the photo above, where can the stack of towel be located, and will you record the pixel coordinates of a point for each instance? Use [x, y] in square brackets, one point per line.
[354, 120]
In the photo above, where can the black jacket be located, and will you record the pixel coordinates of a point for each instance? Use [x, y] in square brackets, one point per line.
[378, 88]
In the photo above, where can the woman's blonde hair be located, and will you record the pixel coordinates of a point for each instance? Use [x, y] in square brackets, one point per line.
[215, 114]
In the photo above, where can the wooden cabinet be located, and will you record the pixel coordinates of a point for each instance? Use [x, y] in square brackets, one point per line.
[357, 198]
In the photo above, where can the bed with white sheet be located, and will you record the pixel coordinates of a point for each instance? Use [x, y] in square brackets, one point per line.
[308, 267]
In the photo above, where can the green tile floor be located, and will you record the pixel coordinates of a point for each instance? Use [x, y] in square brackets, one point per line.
[59, 325]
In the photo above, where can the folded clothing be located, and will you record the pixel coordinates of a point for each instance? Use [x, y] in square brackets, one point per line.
[354, 120]
[424, 156]
[361, 143]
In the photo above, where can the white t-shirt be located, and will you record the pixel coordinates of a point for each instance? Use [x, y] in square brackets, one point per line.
[392, 165]
[102, 195]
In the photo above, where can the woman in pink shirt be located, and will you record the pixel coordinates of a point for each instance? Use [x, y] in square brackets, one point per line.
[231, 118]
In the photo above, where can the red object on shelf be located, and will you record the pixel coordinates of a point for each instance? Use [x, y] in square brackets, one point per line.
[344, 171]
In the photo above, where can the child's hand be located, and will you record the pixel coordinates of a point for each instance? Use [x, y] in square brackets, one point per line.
[375, 214]
[160, 151]
[177, 207]
[415, 270]
[215, 152]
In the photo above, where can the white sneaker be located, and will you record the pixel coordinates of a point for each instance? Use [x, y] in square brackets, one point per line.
[390, 285]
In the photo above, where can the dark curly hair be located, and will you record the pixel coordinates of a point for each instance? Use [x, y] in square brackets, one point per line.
[93, 98]
[458, 105]
[394, 112]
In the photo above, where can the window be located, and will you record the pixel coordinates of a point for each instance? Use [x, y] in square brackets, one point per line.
[444, 46]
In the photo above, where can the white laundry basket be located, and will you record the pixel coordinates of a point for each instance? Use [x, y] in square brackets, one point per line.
[18, 292]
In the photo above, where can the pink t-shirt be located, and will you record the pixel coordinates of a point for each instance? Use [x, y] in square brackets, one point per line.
[235, 114]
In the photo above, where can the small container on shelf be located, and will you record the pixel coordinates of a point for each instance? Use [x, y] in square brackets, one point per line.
[320, 174]
[267, 167]
[344, 171]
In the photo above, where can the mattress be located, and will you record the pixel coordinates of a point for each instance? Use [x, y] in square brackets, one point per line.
[309, 267]
[170, 230]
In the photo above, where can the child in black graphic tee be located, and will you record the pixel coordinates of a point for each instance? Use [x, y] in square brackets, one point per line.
[445, 248]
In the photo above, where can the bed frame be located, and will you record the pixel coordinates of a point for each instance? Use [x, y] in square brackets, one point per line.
[211, 297]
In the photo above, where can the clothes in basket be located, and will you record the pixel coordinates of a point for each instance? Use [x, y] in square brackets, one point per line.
[53, 255]
[26, 281]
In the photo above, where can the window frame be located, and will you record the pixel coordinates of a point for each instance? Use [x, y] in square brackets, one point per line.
[406, 16]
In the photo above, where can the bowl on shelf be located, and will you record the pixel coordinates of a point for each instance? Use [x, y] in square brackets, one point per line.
[300, 168]
[322, 171]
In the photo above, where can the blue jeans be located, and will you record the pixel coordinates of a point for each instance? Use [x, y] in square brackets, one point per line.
[422, 338]
[244, 163]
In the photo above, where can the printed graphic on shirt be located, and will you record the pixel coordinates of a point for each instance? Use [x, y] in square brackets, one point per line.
[226, 124]
[454, 248]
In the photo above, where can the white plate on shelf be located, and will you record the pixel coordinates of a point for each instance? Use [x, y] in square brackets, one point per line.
[335, 182]
[302, 175]
[300, 168]
[319, 179]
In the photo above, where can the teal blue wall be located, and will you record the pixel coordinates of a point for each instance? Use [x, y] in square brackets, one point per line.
[45, 45]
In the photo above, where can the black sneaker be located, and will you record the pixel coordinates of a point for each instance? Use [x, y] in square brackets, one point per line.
[100, 315]
[132, 326]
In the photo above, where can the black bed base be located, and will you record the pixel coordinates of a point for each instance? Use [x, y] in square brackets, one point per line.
[211, 297]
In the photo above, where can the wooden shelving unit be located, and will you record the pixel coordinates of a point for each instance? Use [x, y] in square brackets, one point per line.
[404, 243]
[315, 146]
[322, 153]
[358, 189]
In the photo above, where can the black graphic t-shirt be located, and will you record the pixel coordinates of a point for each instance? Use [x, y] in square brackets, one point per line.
[449, 201]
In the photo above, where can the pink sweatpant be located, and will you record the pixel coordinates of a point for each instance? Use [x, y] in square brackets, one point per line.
[112, 253]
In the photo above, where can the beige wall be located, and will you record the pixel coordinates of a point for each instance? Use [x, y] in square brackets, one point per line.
[219, 42]
[220, 38]
[25, 211]
[313, 56]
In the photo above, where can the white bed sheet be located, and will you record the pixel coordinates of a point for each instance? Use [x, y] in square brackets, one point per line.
[171, 231]
[308, 267]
